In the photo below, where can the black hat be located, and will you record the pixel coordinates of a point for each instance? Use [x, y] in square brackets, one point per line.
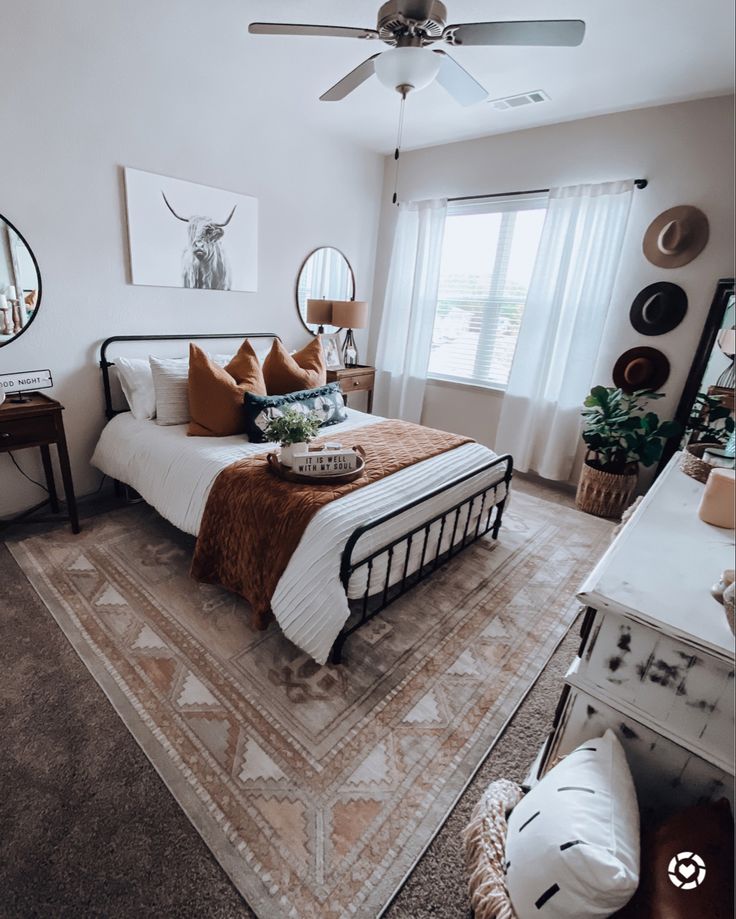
[641, 369]
[658, 308]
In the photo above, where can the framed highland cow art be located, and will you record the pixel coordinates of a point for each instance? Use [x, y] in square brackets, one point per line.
[182, 234]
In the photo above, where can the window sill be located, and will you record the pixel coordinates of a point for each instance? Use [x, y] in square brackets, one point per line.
[464, 384]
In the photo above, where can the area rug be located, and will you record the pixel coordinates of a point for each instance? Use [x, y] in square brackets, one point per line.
[317, 788]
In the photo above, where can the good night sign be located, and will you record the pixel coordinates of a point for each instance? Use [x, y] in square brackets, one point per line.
[26, 381]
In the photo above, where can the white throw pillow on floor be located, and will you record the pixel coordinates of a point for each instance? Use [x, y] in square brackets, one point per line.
[572, 848]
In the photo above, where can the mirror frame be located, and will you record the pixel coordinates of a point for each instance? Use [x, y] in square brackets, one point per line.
[724, 290]
[299, 274]
[22, 238]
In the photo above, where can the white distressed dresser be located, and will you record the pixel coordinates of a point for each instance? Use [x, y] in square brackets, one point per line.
[656, 662]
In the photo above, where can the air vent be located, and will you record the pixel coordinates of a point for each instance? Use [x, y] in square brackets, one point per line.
[531, 98]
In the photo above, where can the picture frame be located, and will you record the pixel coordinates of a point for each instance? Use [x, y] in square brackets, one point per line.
[332, 350]
[185, 234]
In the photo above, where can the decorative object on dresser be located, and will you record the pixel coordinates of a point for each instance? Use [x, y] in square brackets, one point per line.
[618, 435]
[325, 274]
[350, 314]
[360, 378]
[182, 234]
[38, 422]
[658, 308]
[717, 503]
[708, 363]
[676, 236]
[710, 425]
[20, 283]
[656, 660]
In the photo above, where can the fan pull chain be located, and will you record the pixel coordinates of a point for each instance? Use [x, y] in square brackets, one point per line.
[397, 151]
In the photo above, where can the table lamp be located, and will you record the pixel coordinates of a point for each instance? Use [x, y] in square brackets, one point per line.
[350, 314]
[319, 313]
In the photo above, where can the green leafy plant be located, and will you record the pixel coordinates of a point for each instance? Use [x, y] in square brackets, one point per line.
[710, 420]
[293, 426]
[620, 432]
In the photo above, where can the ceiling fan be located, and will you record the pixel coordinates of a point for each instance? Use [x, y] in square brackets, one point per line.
[410, 28]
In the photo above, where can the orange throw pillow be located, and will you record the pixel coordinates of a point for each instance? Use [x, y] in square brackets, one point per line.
[285, 373]
[216, 394]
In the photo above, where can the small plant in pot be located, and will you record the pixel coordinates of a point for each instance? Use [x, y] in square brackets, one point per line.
[619, 434]
[293, 428]
[709, 427]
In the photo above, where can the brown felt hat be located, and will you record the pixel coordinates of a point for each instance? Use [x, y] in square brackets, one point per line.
[641, 369]
[676, 236]
[658, 308]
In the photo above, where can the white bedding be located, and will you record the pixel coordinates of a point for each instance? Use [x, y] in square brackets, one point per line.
[174, 474]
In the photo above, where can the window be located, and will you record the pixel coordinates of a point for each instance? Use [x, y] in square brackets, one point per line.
[487, 260]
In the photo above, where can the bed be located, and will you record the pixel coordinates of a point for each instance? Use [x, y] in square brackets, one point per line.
[359, 553]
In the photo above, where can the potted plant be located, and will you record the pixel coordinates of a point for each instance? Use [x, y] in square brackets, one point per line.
[619, 435]
[293, 428]
[710, 425]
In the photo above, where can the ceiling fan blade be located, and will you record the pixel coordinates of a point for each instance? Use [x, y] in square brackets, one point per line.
[286, 28]
[559, 32]
[456, 80]
[352, 81]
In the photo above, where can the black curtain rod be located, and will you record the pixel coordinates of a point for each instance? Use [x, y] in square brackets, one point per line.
[639, 183]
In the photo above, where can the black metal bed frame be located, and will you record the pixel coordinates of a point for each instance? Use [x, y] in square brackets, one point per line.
[365, 608]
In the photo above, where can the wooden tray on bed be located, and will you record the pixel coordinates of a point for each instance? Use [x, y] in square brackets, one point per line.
[342, 478]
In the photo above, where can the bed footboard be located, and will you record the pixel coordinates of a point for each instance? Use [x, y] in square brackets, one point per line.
[472, 517]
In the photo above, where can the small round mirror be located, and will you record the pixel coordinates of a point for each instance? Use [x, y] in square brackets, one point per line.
[325, 275]
[20, 283]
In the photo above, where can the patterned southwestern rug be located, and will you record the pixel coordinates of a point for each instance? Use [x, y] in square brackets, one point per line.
[317, 788]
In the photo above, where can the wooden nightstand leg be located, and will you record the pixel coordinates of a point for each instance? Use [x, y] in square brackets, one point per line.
[66, 475]
[49, 473]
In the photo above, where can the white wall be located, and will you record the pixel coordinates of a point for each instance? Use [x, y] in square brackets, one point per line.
[169, 86]
[686, 152]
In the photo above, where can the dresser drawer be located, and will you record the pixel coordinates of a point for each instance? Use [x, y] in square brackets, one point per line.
[356, 382]
[665, 774]
[689, 692]
[28, 431]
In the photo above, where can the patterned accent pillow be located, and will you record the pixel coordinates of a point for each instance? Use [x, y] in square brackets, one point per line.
[327, 401]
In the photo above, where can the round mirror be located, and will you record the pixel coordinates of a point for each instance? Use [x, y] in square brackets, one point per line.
[20, 283]
[325, 275]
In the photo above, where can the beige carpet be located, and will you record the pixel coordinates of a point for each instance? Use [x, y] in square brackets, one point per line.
[316, 788]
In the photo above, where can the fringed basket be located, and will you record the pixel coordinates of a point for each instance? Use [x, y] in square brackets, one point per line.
[605, 494]
[692, 463]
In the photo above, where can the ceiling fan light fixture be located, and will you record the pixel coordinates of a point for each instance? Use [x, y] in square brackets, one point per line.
[408, 66]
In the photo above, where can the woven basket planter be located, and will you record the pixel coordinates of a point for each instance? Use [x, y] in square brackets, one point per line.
[605, 494]
[692, 463]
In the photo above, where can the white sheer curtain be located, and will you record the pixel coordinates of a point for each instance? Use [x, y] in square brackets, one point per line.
[405, 336]
[562, 326]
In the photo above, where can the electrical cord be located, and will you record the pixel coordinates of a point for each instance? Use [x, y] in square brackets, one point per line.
[25, 474]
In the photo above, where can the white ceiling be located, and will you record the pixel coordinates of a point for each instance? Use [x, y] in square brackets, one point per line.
[636, 53]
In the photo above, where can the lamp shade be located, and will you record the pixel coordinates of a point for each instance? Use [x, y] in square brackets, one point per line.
[415, 67]
[319, 312]
[727, 342]
[350, 314]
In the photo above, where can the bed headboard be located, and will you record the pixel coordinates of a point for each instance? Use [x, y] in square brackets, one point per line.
[105, 364]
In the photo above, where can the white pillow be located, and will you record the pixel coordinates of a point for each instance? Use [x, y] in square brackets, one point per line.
[170, 380]
[136, 383]
[572, 848]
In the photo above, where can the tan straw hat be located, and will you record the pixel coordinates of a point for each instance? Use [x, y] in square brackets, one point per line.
[676, 237]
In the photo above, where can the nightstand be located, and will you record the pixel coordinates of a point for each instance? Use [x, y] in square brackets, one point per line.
[358, 378]
[37, 422]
